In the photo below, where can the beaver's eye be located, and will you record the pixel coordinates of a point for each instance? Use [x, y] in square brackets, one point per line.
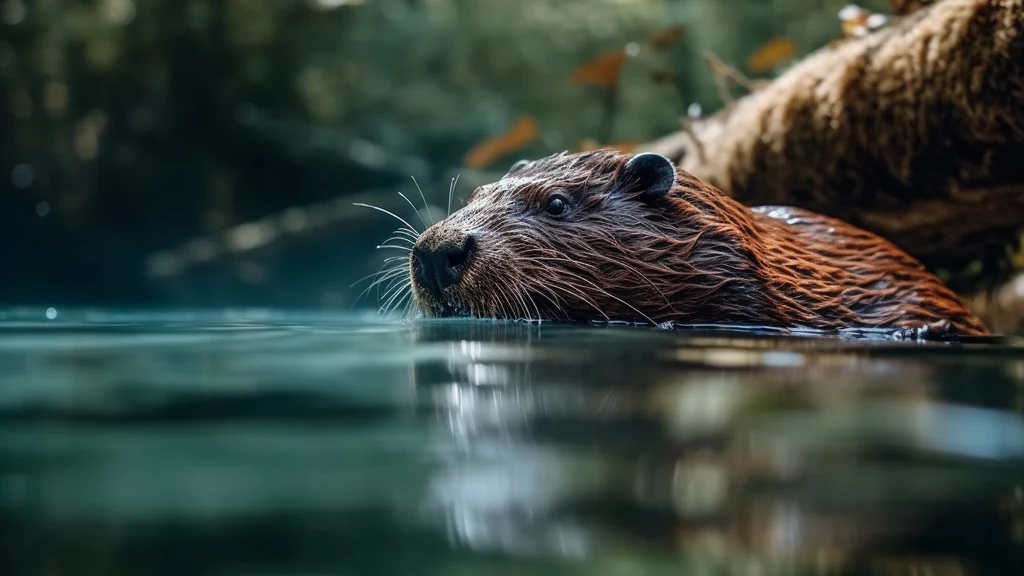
[557, 205]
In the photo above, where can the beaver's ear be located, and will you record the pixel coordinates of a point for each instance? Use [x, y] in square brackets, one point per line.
[519, 165]
[652, 173]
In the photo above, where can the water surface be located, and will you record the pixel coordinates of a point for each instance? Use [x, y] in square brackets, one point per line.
[260, 442]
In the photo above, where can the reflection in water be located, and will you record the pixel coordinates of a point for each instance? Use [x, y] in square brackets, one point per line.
[271, 444]
[741, 454]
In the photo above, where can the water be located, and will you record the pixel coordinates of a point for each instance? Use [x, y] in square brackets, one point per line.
[271, 443]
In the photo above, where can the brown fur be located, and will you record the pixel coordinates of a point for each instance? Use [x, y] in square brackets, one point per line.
[695, 256]
[914, 132]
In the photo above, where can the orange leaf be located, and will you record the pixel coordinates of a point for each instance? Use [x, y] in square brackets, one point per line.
[667, 37]
[522, 132]
[602, 71]
[771, 54]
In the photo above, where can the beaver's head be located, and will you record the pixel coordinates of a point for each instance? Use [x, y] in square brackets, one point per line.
[589, 236]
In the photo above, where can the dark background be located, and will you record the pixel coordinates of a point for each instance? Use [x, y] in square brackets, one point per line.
[138, 138]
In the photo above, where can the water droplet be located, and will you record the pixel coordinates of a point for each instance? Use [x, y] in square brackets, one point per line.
[43, 209]
[22, 176]
[51, 313]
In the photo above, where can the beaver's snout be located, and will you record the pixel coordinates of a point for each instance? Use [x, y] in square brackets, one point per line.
[438, 265]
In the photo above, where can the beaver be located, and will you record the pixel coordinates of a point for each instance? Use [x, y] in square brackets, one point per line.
[607, 236]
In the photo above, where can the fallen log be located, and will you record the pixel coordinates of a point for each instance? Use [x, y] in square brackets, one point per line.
[914, 131]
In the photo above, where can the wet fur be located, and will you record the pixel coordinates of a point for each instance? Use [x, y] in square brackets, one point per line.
[695, 256]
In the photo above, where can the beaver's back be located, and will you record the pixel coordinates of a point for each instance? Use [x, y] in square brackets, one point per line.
[870, 276]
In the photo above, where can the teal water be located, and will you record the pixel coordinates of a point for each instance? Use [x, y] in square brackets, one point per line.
[259, 442]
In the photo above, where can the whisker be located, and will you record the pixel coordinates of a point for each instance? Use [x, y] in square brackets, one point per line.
[534, 302]
[379, 277]
[551, 295]
[392, 289]
[545, 292]
[505, 302]
[451, 189]
[394, 281]
[407, 300]
[388, 212]
[406, 236]
[574, 292]
[621, 301]
[424, 198]
[397, 292]
[375, 274]
[558, 283]
[520, 308]
[615, 261]
[394, 273]
[625, 265]
[562, 259]
[643, 276]
[408, 233]
[522, 312]
[380, 271]
[400, 239]
[368, 276]
[425, 225]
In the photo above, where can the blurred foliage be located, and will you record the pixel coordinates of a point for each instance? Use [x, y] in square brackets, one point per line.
[128, 127]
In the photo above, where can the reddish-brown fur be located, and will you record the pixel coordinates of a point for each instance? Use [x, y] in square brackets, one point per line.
[695, 256]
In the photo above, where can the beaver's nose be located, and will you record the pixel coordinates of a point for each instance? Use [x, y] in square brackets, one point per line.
[441, 266]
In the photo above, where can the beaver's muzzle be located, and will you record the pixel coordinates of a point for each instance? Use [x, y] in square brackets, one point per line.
[439, 262]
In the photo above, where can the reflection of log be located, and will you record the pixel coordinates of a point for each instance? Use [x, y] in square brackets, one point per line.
[915, 132]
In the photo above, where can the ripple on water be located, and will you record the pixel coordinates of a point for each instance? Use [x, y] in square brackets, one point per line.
[346, 440]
